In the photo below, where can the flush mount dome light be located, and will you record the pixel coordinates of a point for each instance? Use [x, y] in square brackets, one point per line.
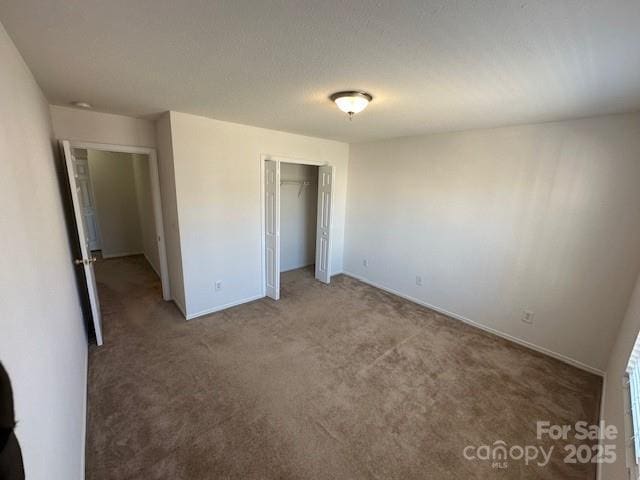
[81, 104]
[351, 102]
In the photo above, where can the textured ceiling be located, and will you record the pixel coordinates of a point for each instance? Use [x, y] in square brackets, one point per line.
[431, 65]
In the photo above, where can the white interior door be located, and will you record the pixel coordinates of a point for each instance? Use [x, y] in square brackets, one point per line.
[272, 228]
[87, 260]
[323, 235]
[87, 200]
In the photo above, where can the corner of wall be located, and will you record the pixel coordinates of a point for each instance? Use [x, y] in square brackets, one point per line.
[169, 194]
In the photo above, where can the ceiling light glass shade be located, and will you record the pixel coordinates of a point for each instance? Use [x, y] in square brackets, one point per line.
[81, 104]
[351, 102]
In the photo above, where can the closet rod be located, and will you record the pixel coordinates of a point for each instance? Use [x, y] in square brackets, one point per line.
[302, 183]
[295, 182]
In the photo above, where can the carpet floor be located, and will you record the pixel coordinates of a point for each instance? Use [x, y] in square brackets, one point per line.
[331, 382]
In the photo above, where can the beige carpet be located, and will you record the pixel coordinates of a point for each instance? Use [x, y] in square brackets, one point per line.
[331, 382]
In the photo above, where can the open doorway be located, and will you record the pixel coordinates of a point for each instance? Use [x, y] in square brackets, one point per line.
[297, 216]
[118, 220]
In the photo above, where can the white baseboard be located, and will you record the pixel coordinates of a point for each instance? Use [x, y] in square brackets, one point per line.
[223, 307]
[120, 254]
[524, 343]
[297, 268]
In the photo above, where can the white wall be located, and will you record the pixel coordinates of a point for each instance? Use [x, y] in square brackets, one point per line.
[43, 342]
[613, 408]
[298, 216]
[142, 178]
[89, 126]
[114, 190]
[170, 218]
[217, 170]
[542, 217]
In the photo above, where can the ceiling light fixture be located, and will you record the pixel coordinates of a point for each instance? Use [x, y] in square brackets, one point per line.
[351, 102]
[81, 104]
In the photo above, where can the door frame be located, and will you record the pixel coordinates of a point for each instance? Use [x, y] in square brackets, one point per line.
[263, 246]
[155, 198]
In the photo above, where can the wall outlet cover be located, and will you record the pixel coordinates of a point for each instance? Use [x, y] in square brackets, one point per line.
[527, 316]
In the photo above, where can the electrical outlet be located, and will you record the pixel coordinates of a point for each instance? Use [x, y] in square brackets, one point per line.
[418, 280]
[218, 286]
[365, 263]
[527, 316]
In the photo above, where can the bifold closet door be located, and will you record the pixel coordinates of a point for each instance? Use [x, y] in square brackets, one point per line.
[272, 228]
[323, 235]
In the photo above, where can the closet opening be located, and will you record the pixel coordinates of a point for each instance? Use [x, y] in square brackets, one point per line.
[298, 215]
[297, 200]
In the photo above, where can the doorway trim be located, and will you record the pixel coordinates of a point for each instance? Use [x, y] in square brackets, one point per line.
[279, 159]
[155, 198]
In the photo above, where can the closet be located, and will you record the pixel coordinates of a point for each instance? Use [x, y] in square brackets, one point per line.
[298, 213]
